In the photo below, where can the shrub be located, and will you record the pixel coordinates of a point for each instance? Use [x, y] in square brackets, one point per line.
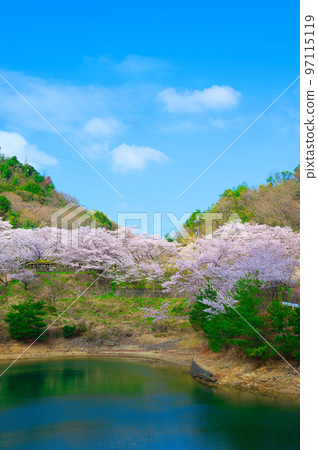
[68, 331]
[26, 196]
[28, 170]
[13, 162]
[33, 188]
[15, 181]
[6, 186]
[4, 204]
[26, 320]
[14, 219]
[38, 178]
[48, 189]
[5, 172]
[28, 224]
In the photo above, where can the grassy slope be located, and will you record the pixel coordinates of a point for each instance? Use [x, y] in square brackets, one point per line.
[100, 313]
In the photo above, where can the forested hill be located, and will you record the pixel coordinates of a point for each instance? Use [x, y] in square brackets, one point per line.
[275, 203]
[28, 199]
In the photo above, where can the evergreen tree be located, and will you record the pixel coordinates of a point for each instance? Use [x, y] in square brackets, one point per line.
[26, 320]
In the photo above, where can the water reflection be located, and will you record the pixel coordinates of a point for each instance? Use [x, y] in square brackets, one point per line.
[114, 404]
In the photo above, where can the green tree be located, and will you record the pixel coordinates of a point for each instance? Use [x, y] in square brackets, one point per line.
[236, 192]
[38, 178]
[5, 172]
[34, 188]
[251, 318]
[228, 328]
[26, 320]
[28, 170]
[13, 162]
[4, 204]
[283, 324]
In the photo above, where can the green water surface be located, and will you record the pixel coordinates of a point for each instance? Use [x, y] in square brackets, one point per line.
[110, 404]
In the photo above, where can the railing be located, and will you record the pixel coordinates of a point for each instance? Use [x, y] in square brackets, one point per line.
[293, 305]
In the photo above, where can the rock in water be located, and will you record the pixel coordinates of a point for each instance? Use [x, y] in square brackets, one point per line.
[197, 371]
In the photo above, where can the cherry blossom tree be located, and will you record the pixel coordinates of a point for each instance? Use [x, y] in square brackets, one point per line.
[5, 229]
[15, 252]
[9, 257]
[24, 275]
[233, 251]
[125, 257]
[160, 314]
[151, 256]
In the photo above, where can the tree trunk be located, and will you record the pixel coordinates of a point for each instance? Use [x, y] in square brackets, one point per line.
[53, 296]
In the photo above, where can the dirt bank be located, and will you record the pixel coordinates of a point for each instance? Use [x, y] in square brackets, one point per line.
[272, 378]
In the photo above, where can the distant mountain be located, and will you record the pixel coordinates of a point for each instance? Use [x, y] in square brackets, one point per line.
[28, 199]
[276, 203]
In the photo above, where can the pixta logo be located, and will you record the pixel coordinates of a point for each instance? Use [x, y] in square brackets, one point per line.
[70, 218]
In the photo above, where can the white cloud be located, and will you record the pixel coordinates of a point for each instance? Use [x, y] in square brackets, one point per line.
[83, 114]
[98, 127]
[94, 137]
[13, 144]
[215, 97]
[126, 158]
[139, 64]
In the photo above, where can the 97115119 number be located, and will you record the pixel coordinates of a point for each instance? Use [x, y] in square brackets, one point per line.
[310, 41]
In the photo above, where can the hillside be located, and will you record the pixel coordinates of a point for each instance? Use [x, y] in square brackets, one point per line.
[111, 323]
[28, 199]
[276, 203]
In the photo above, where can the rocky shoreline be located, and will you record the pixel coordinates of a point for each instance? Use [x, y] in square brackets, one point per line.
[273, 378]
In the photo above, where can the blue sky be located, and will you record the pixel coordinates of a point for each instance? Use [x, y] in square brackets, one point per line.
[150, 93]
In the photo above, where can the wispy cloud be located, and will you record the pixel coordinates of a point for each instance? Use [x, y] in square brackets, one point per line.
[13, 144]
[85, 115]
[135, 64]
[95, 118]
[68, 107]
[80, 113]
[228, 124]
[97, 127]
[127, 158]
[215, 97]
[132, 65]
[95, 137]
[205, 124]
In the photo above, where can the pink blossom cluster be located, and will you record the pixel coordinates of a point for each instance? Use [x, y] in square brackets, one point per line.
[123, 256]
[160, 314]
[233, 251]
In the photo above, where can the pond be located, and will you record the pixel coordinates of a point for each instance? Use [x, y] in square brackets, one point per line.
[111, 404]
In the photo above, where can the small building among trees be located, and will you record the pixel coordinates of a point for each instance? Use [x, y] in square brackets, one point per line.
[42, 265]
